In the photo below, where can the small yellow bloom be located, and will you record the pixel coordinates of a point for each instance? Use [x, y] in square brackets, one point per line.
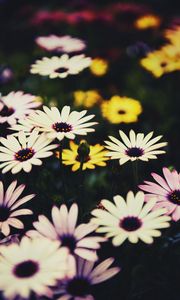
[162, 61]
[99, 66]
[96, 157]
[121, 110]
[86, 99]
[147, 21]
[173, 35]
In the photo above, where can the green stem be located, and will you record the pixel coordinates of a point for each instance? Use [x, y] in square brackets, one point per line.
[135, 174]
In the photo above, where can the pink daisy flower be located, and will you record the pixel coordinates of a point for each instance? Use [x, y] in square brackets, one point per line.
[167, 191]
[64, 229]
[9, 202]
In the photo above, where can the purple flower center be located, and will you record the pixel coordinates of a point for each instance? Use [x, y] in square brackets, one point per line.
[130, 223]
[85, 159]
[62, 127]
[7, 111]
[26, 269]
[61, 70]
[68, 241]
[134, 152]
[174, 197]
[24, 154]
[78, 287]
[4, 213]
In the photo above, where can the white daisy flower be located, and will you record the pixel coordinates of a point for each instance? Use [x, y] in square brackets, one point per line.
[64, 43]
[136, 147]
[20, 153]
[64, 229]
[33, 266]
[62, 124]
[9, 202]
[86, 275]
[60, 67]
[17, 105]
[130, 219]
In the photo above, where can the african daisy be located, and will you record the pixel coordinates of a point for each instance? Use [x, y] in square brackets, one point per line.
[31, 267]
[60, 67]
[86, 275]
[62, 124]
[167, 191]
[9, 202]
[130, 219]
[20, 153]
[64, 43]
[64, 229]
[17, 105]
[136, 147]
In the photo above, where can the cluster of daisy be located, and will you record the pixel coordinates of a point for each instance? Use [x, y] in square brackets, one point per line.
[165, 59]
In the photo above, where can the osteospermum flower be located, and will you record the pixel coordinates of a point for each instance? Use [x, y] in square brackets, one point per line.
[96, 157]
[17, 105]
[147, 21]
[62, 124]
[166, 190]
[99, 66]
[130, 219]
[64, 43]
[64, 229]
[134, 147]
[20, 153]
[86, 275]
[86, 98]
[60, 67]
[121, 110]
[9, 204]
[33, 266]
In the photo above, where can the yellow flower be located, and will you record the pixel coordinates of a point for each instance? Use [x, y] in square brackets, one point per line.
[147, 21]
[173, 35]
[162, 61]
[121, 109]
[86, 99]
[96, 157]
[99, 66]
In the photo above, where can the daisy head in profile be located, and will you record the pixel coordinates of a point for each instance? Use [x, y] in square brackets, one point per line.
[135, 147]
[60, 124]
[17, 105]
[86, 275]
[32, 267]
[166, 189]
[130, 219]
[22, 152]
[60, 67]
[64, 228]
[10, 200]
[66, 43]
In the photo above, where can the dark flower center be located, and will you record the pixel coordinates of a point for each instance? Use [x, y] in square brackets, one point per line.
[4, 213]
[174, 197]
[130, 223]
[62, 127]
[61, 70]
[122, 112]
[24, 154]
[79, 287]
[26, 269]
[69, 242]
[85, 158]
[134, 152]
[6, 111]
[163, 64]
